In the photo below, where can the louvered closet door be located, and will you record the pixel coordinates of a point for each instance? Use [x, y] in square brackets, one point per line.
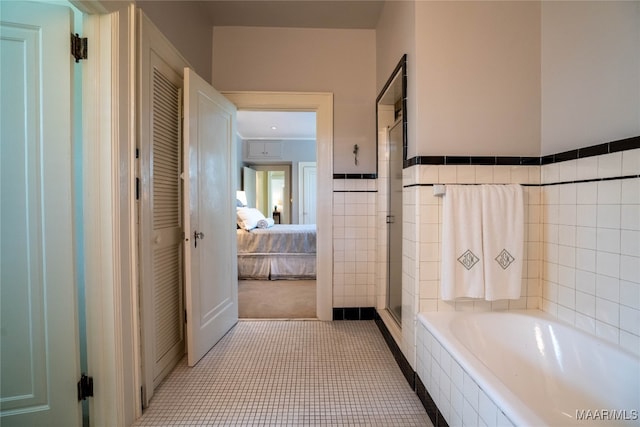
[161, 223]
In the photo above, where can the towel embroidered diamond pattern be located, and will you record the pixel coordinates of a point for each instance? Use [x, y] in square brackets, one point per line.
[504, 259]
[468, 259]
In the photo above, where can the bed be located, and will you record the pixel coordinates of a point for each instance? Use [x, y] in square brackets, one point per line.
[282, 251]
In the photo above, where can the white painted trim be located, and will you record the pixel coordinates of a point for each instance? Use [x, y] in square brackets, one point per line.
[322, 104]
[108, 171]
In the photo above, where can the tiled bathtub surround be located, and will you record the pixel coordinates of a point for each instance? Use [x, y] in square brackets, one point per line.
[422, 240]
[428, 245]
[591, 245]
[460, 400]
[354, 242]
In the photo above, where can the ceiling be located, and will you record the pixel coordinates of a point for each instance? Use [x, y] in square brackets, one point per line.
[354, 14]
[298, 125]
[334, 14]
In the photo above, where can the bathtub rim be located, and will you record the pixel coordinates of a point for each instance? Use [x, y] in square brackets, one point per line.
[513, 407]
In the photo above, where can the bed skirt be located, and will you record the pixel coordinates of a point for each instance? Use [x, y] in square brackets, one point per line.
[277, 266]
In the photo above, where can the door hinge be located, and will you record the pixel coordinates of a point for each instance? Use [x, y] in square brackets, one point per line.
[185, 316]
[137, 188]
[85, 387]
[79, 47]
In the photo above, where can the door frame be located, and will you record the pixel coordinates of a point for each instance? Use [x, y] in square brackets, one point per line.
[109, 211]
[322, 104]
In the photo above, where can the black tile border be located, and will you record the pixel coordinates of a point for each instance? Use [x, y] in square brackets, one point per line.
[437, 419]
[355, 191]
[580, 153]
[579, 181]
[403, 363]
[355, 176]
[354, 313]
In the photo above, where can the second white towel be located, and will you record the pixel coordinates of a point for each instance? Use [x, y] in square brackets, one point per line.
[503, 240]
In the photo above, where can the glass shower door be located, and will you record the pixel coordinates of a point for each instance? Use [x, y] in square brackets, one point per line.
[394, 223]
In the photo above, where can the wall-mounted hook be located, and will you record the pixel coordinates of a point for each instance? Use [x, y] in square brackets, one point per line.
[355, 154]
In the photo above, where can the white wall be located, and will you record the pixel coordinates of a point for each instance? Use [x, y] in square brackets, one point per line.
[478, 68]
[186, 25]
[395, 36]
[590, 73]
[308, 60]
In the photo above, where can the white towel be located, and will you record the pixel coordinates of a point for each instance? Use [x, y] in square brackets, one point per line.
[265, 223]
[503, 240]
[462, 260]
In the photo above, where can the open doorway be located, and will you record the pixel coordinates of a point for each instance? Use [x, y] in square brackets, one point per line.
[322, 105]
[276, 257]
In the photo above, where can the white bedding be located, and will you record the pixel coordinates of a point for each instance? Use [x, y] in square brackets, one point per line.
[283, 251]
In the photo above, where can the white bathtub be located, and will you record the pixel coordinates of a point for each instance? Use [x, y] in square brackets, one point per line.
[526, 368]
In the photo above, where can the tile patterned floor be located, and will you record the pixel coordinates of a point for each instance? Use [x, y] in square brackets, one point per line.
[294, 373]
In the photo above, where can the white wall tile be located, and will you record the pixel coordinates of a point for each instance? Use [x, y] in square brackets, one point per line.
[630, 294]
[586, 259]
[630, 217]
[630, 192]
[586, 281]
[630, 268]
[550, 173]
[608, 264]
[585, 304]
[447, 174]
[609, 192]
[484, 174]
[502, 174]
[608, 216]
[607, 312]
[586, 215]
[586, 237]
[608, 240]
[587, 193]
[608, 288]
[568, 171]
[630, 320]
[587, 168]
[610, 165]
[631, 162]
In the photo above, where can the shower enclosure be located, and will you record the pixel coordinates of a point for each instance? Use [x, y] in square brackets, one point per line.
[392, 122]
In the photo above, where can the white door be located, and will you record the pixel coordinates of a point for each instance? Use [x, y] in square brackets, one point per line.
[249, 186]
[308, 185]
[211, 279]
[39, 351]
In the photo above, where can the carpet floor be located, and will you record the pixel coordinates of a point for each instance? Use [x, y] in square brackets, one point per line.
[277, 299]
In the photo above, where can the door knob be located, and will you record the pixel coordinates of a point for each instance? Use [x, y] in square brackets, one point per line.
[197, 235]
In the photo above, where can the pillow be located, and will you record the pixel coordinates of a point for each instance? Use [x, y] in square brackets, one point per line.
[248, 218]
